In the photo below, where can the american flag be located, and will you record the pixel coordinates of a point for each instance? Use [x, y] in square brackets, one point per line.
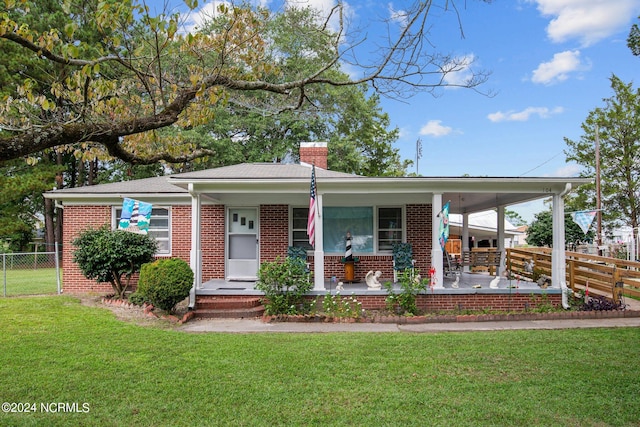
[311, 222]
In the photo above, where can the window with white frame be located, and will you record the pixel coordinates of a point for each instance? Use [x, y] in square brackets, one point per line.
[373, 229]
[299, 237]
[159, 227]
[389, 228]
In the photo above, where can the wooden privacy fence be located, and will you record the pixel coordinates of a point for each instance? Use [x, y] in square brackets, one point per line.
[604, 275]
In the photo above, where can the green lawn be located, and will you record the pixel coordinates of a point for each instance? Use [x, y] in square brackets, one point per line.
[52, 349]
[29, 281]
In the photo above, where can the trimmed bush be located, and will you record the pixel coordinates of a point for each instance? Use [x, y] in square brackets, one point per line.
[137, 298]
[165, 282]
[112, 255]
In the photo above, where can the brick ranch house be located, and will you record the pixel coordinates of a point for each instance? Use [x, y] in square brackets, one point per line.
[226, 221]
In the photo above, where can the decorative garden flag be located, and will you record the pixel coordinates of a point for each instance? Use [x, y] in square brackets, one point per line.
[444, 226]
[311, 221]
[583, 219]
[135, 216]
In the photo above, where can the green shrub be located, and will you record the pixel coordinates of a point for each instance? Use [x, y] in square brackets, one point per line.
[410, 285]
[107, 255]
[165, 282]
[137, 298]
[284, 284]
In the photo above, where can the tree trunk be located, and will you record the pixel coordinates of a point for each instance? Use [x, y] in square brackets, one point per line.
[49, 226]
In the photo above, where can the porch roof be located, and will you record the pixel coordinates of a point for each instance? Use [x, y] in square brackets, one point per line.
[273, 183]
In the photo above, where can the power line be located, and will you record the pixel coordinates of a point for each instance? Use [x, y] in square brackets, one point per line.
[541, 164]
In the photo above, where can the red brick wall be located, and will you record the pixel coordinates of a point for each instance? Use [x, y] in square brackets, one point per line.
[438, 302]
[77, 219]
[181, 232]
[212, 241]
[419, 235]
[274, 232]
[274, 241]
[314, 155]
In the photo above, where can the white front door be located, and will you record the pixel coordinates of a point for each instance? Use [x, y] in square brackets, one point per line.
[242, 244]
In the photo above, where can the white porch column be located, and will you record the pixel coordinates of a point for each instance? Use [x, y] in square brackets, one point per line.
[465, 238]
[195, 255]
[501, 268]
[436, 250]
[558, 256]
[318, 253]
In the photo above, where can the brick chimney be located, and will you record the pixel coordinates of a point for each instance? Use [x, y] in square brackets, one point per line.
[314, 153]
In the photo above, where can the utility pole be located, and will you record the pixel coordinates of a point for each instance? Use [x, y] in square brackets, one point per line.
[598, 195]
[418, 153]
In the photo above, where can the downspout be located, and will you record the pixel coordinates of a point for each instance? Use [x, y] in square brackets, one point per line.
[563, 284]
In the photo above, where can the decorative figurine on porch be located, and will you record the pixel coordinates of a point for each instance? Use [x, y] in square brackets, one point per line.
[349, 261]
[348, 255]
[454, 285]
[372, 280]
[494, 283]
[528, 266]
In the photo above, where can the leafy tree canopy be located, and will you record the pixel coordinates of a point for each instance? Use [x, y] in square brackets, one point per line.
[616, 126]
[633, 41]
[114, 74]
[540, 231]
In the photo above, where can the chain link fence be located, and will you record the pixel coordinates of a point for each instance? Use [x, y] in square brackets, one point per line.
[30, 273]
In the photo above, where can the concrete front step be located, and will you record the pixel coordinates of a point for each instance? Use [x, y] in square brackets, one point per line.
[229, 313]
[228, 307]
[218, 302]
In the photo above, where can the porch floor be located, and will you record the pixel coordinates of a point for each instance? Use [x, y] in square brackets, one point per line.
[465, 286]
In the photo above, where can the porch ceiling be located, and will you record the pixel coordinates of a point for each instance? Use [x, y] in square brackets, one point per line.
[465, 194]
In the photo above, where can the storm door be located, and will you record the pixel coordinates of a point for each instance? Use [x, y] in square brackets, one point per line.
[242, 241]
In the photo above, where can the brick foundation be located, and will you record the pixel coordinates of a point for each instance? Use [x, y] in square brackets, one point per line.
[461, 302]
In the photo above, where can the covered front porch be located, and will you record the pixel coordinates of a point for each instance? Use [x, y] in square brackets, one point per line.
[468, 282]
[259, 204]
[474, 293]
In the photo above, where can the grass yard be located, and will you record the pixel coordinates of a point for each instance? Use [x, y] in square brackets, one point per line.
[53, 349]
[29, 281]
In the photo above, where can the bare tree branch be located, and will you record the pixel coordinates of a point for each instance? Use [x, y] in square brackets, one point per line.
[155, 78]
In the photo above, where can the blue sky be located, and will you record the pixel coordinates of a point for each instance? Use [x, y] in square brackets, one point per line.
[550, 63]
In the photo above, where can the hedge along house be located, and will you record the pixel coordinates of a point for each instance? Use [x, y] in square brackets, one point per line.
[226, 221]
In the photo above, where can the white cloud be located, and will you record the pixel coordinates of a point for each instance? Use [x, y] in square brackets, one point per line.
[399, 16]
[435, 128]
[206, 13]
[524, 115]
[570, 169]
[558, 69]
[588, 21]
[324, 6]
[403, 133]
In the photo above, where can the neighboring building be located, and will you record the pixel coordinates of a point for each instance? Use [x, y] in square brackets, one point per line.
[483, 229]
[226, 221]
